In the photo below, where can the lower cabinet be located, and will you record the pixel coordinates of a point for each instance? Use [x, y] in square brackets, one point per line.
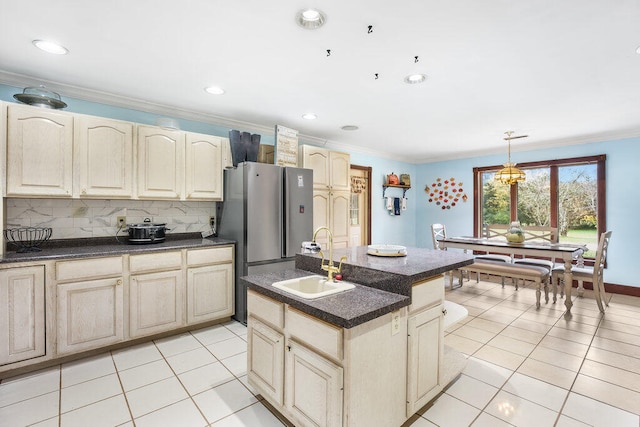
[22, 322]
[425, 352]
[266, 362]
[155, 302]
[89, 314]
[314, 387]
[209, 292]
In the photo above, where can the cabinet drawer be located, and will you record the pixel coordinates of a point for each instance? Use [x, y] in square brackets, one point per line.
[426, 293]
[209, 256]
[88, 268]
[321, 335]
[156, 261]
[265, 309]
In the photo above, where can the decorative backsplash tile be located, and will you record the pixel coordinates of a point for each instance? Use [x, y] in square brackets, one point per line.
[71, 219]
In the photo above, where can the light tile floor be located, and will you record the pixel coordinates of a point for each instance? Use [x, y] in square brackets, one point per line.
[525, 367]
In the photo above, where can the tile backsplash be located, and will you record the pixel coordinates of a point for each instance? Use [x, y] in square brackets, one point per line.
[72, 218]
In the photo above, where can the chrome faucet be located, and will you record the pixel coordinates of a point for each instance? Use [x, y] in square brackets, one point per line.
[329, 267]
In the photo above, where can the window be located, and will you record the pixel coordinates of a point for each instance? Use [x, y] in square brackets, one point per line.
[566, 193]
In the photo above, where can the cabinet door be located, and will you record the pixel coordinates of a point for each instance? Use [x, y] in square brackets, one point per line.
[209, 292]
[265, 362]
[160, 162]
[103, 157]
[203, 167]
[425, 356]
[21, 314]
[339, 214]
[340, 171]
[321, 215]
[155, 302]
[39, 152]
[317, 159]
[313, 387]
[90, 314]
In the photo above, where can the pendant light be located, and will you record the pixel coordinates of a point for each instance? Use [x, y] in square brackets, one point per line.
[510, 174]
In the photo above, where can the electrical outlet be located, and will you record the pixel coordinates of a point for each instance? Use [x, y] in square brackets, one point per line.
[121, 221]
[212, 221]
[395, 322]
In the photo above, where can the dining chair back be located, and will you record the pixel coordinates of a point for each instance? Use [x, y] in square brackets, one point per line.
[594, 274]
[438, 232]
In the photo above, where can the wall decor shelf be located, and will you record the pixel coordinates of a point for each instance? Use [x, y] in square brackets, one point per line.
[404, 188]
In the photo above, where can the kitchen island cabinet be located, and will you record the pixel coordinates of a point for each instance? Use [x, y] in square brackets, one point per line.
[373, 355]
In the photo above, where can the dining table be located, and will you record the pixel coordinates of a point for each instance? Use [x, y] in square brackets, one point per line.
[561, 251]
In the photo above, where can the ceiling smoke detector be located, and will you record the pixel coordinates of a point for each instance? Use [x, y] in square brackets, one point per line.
[309, 116]
[310, 19]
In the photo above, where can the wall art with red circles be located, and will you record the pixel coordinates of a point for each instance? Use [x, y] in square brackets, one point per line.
[446, 193]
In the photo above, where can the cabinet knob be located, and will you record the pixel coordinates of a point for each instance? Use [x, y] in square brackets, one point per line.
[84, 191]
[444, 311]
[119, 282]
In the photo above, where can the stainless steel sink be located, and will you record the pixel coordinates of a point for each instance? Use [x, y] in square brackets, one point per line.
[310, 287]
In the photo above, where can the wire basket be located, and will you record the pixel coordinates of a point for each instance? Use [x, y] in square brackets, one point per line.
[27, 239]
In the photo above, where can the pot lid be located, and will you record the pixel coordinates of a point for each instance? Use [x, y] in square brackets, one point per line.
[40, 96]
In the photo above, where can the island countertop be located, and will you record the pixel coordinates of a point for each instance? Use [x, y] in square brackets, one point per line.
[384, 283]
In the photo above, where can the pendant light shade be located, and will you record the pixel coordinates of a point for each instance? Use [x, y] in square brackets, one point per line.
[510, 174]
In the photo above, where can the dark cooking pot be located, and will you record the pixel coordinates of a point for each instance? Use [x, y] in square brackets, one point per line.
[146, 232]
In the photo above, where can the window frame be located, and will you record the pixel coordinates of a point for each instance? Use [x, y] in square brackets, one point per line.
[599, 160]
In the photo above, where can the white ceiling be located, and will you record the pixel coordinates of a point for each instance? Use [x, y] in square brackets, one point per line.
[561, 71]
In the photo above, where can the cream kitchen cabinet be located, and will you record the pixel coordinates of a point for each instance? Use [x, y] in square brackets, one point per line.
[90, 300]
[331, 169]
[425, 344]
[156, 293]
[160, 162]
[203, 167]
[22, 314]
[103, 157]
[209, 284]
[39, 152]
[331, 191]
[330, 376]
[331, 208]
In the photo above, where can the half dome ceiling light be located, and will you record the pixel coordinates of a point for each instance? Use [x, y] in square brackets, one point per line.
[50, 47]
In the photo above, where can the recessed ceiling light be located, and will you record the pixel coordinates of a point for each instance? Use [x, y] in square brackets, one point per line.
[415, 78]
[309, 116]
[214, 90]
[350, 127]
[50, 47]
[310, 19]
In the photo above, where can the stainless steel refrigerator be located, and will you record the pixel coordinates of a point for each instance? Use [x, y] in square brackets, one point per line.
[268, 211]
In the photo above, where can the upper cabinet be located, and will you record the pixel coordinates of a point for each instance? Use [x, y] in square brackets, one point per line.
[39, 152]
[60, 154]
[203, 166]
[103, 157]
[160, 162]
[330, 168]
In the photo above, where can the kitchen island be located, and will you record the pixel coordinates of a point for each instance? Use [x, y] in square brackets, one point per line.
[372, 355]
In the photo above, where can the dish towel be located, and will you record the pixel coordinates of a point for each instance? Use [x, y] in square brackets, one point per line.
[396, 206]
[404, 203]
[389, 204]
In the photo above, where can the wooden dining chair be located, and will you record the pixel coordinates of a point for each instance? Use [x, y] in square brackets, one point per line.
[593, 274]
[439, 232]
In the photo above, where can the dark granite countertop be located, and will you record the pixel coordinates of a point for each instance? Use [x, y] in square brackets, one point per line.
[87, 248]
[346, 309]
[384, 283]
